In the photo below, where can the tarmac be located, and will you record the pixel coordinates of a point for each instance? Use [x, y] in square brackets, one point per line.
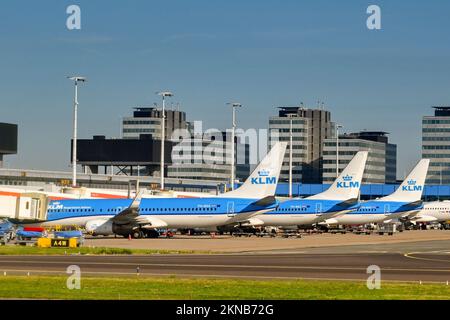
[394, 266]
[413, 256]
[228, 244]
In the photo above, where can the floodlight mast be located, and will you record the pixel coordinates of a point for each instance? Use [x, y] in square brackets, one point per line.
[163, 94]
[233, 105]
[338, 126]
[290, 154]
[75, 79]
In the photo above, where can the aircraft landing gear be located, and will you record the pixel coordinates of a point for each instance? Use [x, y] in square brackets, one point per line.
[151, 234]
[141, 234]
[137, 234]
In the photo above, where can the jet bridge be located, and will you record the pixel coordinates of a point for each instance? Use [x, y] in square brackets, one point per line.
[24, 207]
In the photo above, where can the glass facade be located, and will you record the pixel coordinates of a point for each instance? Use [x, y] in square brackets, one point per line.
[381, 165]
[436, 145]
[310, 127]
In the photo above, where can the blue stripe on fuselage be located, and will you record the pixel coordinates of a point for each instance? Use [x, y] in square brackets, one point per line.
[310, 206]
[306, 206]
[63, 209]
[382, 207]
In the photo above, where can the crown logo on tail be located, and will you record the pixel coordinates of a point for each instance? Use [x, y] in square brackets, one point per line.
[347, 178]
[263, 173]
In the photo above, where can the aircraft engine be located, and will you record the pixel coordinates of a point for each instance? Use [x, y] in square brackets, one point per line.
[104, 227]
[100, 227]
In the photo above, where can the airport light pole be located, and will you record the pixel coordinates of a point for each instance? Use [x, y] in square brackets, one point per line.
[290, 156]
[233, 105]
[337, 149]
[75, 79]
[163, 94]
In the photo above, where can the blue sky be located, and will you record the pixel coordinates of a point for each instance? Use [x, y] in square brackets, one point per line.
[262, 53]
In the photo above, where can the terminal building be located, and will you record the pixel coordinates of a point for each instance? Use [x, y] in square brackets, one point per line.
[31, 180]
[98, 177]
[141, 158]
[436, 145]
[310, 128]
[368, 191]
[147, 120]
[195, 162]
[138, 152]
[203, 158]
[8, 140]
[381, 166]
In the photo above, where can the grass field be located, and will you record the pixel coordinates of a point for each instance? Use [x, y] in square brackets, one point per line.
[28, 250]
[54, 287]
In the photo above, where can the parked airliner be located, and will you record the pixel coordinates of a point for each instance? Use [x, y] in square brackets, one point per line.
[437, 211]
[141, 216]
[404, 201]
[341, 197]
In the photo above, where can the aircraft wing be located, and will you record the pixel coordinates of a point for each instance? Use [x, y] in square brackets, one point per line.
[252, 222]
[423, 218]
[407, 210]
[129, 214]
[414, 204]
[148, 222]
[243, 217]
[266, 201]
[399, 215]
[330, 215]
[255, 208]
[340, 209]
[348, 203]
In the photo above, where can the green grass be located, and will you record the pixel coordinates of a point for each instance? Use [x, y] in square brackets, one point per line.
[29, 250]
[54, 287]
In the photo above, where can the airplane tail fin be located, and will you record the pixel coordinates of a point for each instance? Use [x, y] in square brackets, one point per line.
[412, 187]
[263, 180]
[346, 186]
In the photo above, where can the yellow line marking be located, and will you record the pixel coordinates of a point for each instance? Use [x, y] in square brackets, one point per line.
[410, 255]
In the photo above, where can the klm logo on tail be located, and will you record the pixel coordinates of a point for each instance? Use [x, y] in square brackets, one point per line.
[412, 186]
[264, 178]
[347, 183]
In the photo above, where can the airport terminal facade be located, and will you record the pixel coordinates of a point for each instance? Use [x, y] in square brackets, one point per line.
[137, 153]
[55, 181]
[314, 149]
[310, 128]
[381, 166]
[436, 145]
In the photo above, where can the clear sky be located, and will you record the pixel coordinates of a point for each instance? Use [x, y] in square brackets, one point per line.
[263, 54]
